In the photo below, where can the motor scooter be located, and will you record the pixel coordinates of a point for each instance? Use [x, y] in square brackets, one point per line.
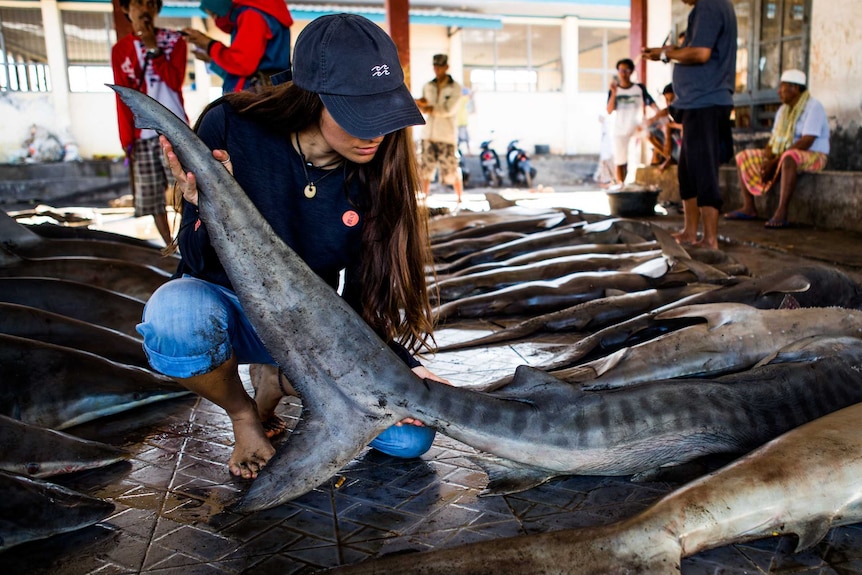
[521, 170]
[492, 172]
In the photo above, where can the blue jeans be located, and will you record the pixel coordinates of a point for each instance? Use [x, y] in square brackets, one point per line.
[191, 326]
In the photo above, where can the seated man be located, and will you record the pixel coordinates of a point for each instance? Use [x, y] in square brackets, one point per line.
[799, 143]
[665, 134]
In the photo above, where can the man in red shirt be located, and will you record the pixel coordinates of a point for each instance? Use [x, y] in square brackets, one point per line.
[153, 61]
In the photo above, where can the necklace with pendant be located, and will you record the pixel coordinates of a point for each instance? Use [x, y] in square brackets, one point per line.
[310, 189]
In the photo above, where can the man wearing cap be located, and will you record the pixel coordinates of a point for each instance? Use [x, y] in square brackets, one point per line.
[799, 143]
[704, 78]
[328, 160]
[439, 102]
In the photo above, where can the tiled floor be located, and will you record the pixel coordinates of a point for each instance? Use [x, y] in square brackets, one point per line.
[172, 501]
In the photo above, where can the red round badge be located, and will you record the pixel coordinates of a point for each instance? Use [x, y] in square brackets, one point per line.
[350, 218]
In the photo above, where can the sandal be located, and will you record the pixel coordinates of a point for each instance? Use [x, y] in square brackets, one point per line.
[774, 224]
[739, 215]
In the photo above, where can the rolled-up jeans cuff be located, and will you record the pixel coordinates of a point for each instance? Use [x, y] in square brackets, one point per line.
[189, 366]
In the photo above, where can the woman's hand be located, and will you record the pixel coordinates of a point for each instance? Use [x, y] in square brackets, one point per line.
[186, 182]
[423, 373]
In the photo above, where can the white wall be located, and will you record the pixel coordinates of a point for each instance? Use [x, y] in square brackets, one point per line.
[835, 66]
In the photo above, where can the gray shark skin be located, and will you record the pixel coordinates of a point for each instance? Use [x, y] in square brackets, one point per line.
[610, 231]
[585, 317]
[543, 296]
[57, 387]
[755, 497]
[24, 242]
[584, 250]
[810, 286]
[55, 232]
[132, 279]
[31, 509]
[513, 218]
[35, 451]
[35, 323]
[480, 282]
[457, 248]
[76, 300]
[733, 337]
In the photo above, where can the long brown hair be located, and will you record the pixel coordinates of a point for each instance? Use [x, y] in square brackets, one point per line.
[395, 246]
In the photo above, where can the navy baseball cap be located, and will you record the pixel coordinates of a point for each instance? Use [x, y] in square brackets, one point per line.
[353, 65]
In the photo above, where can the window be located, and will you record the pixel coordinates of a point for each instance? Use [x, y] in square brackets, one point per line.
[599, 49]
[23, 57]
[773, 37]
[517, 58]
[89, 37]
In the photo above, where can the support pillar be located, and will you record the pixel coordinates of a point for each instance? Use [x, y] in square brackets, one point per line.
[638, 39]
[398, 27]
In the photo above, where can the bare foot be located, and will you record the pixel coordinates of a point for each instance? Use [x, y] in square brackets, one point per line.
[252, 448]
[684, 238]
[706, 244]
[267, 395]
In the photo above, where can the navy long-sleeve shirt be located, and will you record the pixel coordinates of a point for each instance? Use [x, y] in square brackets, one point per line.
[325, 231]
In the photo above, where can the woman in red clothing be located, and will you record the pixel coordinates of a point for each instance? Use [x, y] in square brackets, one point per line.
[259, 41]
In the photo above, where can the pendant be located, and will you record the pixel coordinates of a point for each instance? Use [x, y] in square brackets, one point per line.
[310, 190]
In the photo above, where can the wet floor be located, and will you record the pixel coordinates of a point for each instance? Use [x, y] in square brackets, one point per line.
[172, 496]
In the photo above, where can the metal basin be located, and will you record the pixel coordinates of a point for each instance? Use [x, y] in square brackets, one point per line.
[632, 201]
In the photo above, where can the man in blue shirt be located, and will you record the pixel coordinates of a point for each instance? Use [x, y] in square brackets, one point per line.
[704, 82]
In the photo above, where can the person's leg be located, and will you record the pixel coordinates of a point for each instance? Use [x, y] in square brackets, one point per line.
[426, 163]
[709, 215]
[715, 122]
[688, 187]
[691, 221]
[622, 172]
[150, 184]
[196, 332]
[701, 152]
[621, 153]
[268, 393]
[222, 386]
[789, 177]
[748, 207]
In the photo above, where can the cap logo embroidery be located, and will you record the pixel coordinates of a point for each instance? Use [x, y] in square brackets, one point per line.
[380, 70]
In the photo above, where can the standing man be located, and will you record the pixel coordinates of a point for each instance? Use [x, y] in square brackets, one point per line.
[628, 102]
[440, 103]
[703, 81]
[153, 61]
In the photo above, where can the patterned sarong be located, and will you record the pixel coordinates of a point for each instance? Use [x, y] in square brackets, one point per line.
[749, 163]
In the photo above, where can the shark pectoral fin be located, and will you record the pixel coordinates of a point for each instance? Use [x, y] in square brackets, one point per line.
[809, 349]
[792, 284]
[654, 268]
[716, 315]
[506, 477]
[318, 448]
[810, 533]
